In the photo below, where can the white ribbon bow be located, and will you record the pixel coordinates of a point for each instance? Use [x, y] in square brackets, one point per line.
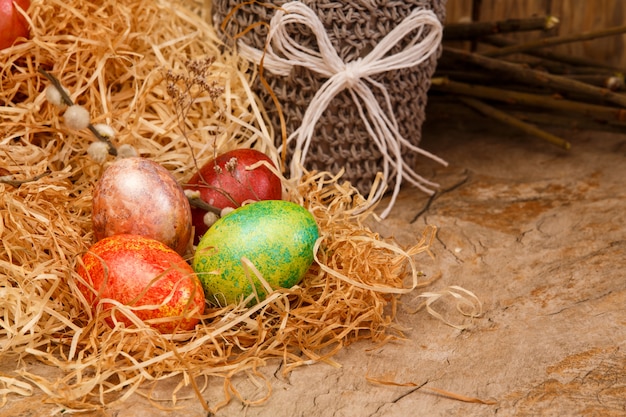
[283, 53]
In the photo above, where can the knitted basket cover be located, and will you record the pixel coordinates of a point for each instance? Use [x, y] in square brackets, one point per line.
[354, 28]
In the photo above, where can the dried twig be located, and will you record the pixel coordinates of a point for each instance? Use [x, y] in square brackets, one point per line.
[559, 40]
[9, 179]
[512, 121]
[604, 113]
[614, 82]
[588, 85]
[526, 75]
[458, 31]
[559, 120]
[576, 61]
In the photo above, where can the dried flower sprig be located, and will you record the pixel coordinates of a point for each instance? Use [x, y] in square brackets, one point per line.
[184, 88]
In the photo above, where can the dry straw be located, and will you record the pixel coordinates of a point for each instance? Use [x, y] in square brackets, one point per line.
[114, 57]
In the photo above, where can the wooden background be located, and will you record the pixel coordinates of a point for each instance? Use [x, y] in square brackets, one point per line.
[576, 16]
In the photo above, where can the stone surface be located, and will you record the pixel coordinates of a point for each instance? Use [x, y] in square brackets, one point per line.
[538, 234]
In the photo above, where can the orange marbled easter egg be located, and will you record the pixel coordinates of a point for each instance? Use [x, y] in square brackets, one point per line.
[137, 271]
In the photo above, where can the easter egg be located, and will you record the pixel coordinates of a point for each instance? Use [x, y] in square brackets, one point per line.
[140, 197]
[12, 23]
[228, 181]
[138, 271]
[276, 236]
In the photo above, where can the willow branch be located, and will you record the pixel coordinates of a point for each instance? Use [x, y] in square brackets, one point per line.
[197, 202]
[68, 101]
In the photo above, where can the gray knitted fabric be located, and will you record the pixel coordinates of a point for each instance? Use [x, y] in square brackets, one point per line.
[354, 28]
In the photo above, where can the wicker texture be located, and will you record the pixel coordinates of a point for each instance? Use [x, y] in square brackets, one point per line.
[354, 28]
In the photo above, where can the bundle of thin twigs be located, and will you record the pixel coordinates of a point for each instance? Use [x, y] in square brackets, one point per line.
[518, 83]
[115, 58]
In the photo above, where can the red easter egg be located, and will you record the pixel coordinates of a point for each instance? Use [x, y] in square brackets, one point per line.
[12, 24]
[227, 181]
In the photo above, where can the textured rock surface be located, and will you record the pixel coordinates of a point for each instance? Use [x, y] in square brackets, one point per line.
[539, 235]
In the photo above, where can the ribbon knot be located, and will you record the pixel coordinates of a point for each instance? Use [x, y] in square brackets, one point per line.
[282, 53]
[352, 73]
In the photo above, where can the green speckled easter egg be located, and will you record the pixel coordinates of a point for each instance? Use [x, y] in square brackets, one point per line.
[276, 236]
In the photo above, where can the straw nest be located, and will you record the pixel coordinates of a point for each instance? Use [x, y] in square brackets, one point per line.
[114, 58]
